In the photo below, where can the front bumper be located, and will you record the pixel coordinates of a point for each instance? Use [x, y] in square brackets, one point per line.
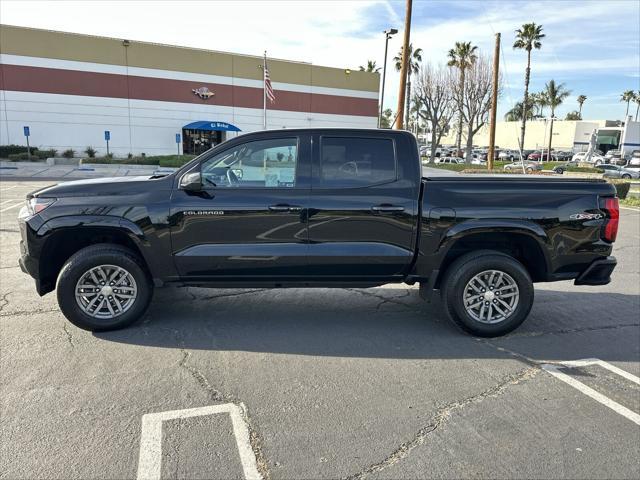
[598, 273]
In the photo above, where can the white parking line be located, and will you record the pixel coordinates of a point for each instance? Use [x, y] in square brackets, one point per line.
[8, 188]
[8, 201]
[20, 203]
[590, 392]
[150, 457]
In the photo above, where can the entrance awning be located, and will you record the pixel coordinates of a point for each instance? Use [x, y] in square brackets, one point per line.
[212, 126]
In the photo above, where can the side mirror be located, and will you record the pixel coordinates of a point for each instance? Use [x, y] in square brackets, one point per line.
[238, 172]
[191, 182]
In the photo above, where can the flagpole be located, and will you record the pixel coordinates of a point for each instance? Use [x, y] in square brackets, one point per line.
[264, 91]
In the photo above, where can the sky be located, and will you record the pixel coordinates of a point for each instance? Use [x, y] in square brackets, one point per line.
[593, 47]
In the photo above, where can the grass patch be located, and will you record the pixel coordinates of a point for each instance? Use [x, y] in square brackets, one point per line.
[630, 202]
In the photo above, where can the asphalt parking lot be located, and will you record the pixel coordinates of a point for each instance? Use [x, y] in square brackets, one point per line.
[324, 383]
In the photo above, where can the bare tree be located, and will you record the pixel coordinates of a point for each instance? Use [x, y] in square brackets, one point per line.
[476, 100]
[435, 92]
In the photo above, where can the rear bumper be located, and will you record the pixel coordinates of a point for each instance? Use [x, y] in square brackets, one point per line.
[598, 273]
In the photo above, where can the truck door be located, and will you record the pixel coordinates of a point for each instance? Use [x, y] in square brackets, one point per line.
[363, 207]
[249, 220]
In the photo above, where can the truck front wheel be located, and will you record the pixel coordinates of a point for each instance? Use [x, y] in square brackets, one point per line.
[487, 293]
[104, 287]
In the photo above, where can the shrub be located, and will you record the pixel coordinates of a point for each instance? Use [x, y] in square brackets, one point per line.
[6, 150]
[622, 188]
[129, 155]
[69, 153]
[17, 157]
[90, 151]
[44, 154]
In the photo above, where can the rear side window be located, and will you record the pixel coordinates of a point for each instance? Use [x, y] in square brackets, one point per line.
[356, 162]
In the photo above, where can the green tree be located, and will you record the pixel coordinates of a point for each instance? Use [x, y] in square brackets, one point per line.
[386, 119]
[528, 37]
[515, 114]
[573, 116]
[371, 67]
[415, 57]
[462, 56]
[636, 99]
[627, 96]
[556, 94]
[581, 99]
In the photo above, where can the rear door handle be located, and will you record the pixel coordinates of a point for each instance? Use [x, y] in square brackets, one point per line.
[284, 208]
[387, 208]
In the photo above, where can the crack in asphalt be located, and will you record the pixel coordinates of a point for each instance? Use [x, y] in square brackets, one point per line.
[69, 335]
[384, 299]
[569, 330]
[26, 312]
[215, 395]
[4, 301]
[224, 295]
[441, 417]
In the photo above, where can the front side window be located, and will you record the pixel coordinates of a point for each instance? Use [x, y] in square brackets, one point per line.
[263, 163]
[356, 162]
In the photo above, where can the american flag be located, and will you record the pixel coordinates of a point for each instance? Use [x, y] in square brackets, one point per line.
[267, 84]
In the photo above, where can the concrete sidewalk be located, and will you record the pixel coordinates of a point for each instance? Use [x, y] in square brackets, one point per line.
[36, 170]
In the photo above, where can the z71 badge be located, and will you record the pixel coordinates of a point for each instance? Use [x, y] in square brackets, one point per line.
[586, 216]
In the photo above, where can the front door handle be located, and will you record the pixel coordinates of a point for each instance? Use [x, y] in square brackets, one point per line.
[284, 208]
[387, 208]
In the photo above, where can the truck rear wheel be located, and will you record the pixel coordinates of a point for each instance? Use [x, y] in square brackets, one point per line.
[487, 293]
[104, 287]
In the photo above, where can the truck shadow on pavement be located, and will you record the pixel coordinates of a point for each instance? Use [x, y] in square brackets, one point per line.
[379, 323]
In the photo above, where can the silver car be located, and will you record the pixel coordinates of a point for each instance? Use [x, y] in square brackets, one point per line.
[616, 171]
[529, 166]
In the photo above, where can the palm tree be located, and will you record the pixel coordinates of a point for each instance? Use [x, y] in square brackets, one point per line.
[527, 38]
[556, 94]
[462, 56]
[371, 67]
[573, 116]
[581, 100]
[636, 99]
[627, 96]
[415, 57]
[515, 114]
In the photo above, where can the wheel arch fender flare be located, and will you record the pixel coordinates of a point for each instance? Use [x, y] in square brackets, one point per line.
[526, 228]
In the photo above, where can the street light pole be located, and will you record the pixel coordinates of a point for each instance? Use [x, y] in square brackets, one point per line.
[387, 34]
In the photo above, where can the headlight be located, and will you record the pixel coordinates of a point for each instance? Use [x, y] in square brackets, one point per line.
[36, 205]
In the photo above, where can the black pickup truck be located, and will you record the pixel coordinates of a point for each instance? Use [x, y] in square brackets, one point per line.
[317, 208]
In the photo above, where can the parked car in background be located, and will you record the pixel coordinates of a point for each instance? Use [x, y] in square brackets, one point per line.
[449, 160]
[560, 169]
[536, 155]
[616, 171]
[561, 156]
[508, 155]
[596, 158]
[528, 166]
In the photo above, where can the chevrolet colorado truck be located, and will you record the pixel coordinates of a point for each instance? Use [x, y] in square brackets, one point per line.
[317, 208]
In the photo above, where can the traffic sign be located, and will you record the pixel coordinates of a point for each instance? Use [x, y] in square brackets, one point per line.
[26, 131]
[107, 135]
[177, 138]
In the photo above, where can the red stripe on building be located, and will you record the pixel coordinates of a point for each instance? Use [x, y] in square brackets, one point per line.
[74, 82]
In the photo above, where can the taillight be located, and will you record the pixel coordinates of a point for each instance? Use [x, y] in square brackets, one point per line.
[612, 209]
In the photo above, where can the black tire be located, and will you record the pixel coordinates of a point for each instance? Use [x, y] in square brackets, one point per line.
[96, 255]
[559, 170]
[626, 176]
[460, 273]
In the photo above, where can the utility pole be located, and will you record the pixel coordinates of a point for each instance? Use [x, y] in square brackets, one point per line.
[405, 64]
[494, 104]
[387, 34]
